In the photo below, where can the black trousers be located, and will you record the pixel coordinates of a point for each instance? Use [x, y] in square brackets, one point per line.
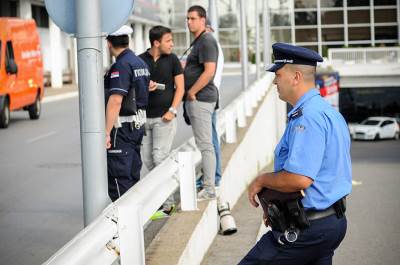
[315, 245]
[123, 159]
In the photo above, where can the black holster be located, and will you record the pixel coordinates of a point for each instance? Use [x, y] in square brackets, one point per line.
[128, 106]
[340, 207]
[284, 210]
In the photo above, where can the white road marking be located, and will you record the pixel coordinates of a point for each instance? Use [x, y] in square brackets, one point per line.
[60, 97]
[356, 183]
[40, 137]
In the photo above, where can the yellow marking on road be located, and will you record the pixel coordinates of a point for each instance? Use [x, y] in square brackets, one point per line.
[356, 183]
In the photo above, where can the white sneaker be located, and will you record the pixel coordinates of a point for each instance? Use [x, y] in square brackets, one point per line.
[203, 195]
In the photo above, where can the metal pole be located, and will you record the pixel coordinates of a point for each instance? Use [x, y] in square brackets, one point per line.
[398, 21]
[91, 109]
[243, 44]
[213, 15]
[258, 59]
[267, 34]
[186, 27]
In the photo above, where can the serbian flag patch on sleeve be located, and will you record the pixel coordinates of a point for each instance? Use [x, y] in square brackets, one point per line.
[114, 74]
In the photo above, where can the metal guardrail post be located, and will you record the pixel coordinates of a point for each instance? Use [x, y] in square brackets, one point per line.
[187, 179]
[230, 127]
[241, 113]
[364, 56]
[248, 106]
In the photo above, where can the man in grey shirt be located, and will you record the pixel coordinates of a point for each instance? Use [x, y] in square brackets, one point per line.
[202, 94]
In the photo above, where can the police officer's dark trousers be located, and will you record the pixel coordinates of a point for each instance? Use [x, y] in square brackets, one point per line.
[123, 159]
[315, 245]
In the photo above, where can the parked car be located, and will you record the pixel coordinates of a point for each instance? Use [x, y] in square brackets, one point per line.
[375, 128]
[21, 69]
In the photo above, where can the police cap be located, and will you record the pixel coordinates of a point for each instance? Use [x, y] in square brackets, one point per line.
[289, 54]
[124, 30]
[121, 36]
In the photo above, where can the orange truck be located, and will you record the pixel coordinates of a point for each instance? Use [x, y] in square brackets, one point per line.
[21, 69]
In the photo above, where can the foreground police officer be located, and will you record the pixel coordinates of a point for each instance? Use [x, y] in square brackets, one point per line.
[126, 91]
[313, 155]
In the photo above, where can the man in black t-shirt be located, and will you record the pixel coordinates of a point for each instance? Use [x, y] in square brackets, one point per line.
[166, 92]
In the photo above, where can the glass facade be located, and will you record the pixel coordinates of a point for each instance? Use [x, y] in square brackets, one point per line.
[331, 17]
[331, 3]
[358, 16]
[316, 24]
[305, 18]
[328, 24]
[385, 15]
[306, 35]
[332, 34]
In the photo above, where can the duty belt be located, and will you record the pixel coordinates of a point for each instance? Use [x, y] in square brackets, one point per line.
[315, 215]
[139, 119]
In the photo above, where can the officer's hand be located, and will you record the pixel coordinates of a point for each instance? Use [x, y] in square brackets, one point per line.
[168, 116]
[152, 85]
[191, 96]
[253, 189]
[108, 142]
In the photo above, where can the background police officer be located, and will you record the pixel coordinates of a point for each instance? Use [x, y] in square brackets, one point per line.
[313, 155]
[126, 90]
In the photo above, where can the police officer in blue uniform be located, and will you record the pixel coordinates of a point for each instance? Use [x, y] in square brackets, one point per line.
[313, 155]
[126, 91]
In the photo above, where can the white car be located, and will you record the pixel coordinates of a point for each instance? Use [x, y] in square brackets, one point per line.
[375, 128]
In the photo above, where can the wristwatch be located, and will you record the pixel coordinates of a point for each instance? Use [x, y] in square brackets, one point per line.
[173, 110]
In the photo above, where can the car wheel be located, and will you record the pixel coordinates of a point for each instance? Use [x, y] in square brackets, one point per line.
[5, 114]
[35, 109]
[377, 137]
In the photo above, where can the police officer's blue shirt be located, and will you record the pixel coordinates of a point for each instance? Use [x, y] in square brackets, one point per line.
[129, 71]
[316, 144]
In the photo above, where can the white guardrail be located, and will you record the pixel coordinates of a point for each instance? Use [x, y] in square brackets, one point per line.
[118, 231]
[378, 55]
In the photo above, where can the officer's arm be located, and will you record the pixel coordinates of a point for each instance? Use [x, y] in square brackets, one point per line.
[205, 77]
[112, 111]
[283, 181]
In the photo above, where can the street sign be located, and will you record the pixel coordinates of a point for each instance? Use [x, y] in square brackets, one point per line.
[113, 14]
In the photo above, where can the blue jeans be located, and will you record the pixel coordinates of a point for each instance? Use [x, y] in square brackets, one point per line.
[217, 149]
[315, 245]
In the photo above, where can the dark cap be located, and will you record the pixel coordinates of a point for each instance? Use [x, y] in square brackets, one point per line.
[289, 54]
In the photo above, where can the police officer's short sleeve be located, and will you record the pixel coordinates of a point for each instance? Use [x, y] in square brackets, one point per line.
[120, 80]
[307, 141]
[208, 50]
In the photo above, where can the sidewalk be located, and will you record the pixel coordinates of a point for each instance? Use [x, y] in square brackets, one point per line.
[231, 249]
[50, 91]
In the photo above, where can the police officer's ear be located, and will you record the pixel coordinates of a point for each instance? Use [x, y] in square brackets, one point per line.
[298, 77]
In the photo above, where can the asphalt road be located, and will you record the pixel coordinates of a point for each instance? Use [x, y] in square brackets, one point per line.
[373, 207]
[40, 178]
[373, 213]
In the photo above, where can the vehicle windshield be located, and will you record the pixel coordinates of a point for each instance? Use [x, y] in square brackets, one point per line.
[370, 122]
